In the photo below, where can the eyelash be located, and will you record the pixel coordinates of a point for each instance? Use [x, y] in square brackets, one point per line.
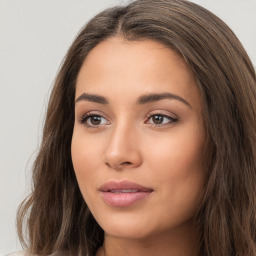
[89, 115]
[172, 120]
[83, 120]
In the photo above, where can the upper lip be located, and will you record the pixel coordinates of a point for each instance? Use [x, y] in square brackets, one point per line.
[123, 185]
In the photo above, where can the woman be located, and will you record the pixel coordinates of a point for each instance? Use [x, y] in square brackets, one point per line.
[149, 144]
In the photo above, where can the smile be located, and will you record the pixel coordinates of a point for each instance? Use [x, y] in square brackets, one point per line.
[124, 193]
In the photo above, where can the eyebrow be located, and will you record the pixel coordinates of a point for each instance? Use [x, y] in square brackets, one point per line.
[92, 98]
[144, 99]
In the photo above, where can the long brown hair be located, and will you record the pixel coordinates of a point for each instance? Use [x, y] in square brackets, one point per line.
[55, 215]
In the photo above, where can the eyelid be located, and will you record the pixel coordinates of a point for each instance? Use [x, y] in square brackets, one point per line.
[92, 113]
[173, 118]
[163, 113]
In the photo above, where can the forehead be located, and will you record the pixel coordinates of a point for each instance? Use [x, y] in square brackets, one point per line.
[144, 66]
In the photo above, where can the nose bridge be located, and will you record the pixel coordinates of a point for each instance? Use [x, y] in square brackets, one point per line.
[123, 149]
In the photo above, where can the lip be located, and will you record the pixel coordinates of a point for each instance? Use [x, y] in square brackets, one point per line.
[123, 193]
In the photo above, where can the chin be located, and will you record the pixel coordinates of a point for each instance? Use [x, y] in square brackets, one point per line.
[128, 232]
[129, 226]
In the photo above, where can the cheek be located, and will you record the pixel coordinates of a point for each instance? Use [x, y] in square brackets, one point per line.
[86, 150]
[181, 151]
[86, 160]
[177, 168]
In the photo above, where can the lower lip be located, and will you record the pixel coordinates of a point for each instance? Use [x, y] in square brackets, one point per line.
[124, 199]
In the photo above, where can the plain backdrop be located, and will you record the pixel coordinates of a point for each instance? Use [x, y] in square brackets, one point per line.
[34, 37]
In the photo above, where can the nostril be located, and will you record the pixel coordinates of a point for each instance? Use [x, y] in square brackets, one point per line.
[126, 163]
[119, 165]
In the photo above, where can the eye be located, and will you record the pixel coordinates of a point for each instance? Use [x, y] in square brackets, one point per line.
[93, 120]
[161, 119]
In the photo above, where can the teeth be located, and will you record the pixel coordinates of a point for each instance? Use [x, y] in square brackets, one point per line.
[124, 191]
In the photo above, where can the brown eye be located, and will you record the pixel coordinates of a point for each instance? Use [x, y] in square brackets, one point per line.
[161, 120]
[95, 120]
[157, 119]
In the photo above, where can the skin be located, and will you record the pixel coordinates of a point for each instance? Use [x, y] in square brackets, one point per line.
[128, 144]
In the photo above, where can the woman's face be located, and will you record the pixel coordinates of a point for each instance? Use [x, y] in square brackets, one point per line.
[138, 140]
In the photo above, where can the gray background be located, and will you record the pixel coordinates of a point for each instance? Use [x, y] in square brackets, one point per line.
[34, 37]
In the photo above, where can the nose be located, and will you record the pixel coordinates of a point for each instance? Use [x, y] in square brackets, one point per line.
[123, 150]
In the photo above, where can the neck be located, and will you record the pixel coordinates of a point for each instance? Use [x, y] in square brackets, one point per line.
[178, 242]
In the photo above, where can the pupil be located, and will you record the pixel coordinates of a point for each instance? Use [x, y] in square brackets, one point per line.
[158, 119]
[96, 120]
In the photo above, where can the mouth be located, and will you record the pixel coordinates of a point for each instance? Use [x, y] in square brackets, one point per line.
[124, 193]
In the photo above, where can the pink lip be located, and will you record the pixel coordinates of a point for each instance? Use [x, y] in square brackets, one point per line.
[124, 193]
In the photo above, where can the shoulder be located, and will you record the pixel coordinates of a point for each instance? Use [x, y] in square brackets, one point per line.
[26, 253]
[20, 253]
